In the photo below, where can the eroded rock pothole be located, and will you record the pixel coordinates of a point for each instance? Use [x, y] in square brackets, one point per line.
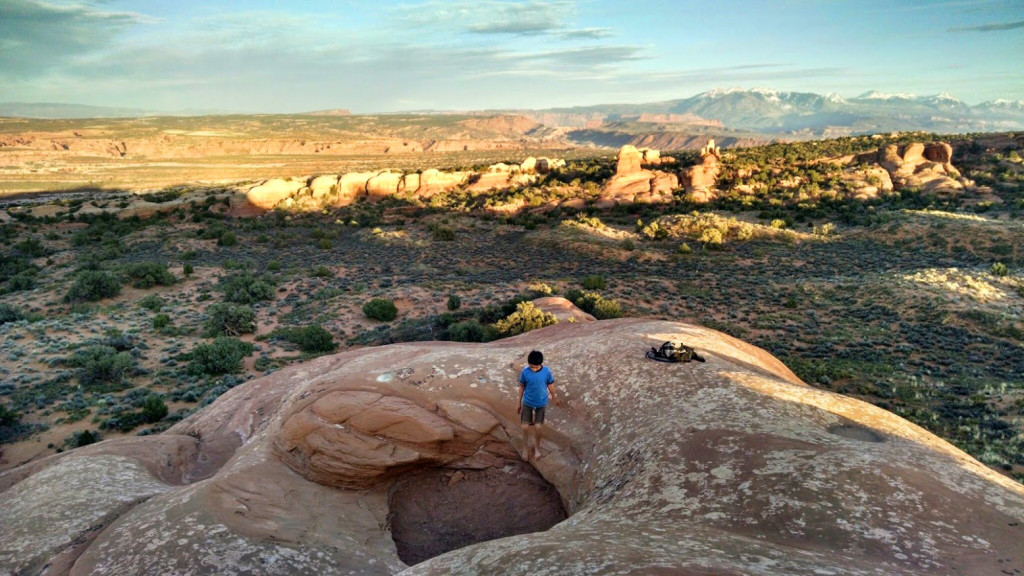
[854, 432]
[439, 510]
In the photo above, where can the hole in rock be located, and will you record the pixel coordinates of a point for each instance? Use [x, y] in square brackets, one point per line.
[443, 509]
[854, 432]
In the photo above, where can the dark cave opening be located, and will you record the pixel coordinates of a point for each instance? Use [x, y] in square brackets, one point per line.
[442, 509]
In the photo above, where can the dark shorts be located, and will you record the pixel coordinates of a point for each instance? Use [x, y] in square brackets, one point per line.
[532, 415]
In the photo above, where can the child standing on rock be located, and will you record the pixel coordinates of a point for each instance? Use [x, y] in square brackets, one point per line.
[536, 383]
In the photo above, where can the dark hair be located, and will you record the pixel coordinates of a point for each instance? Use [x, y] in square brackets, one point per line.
[535, 358]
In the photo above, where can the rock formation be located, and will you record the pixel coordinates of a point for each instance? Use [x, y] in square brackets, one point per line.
[632, 183]
[732, 466]
[700, 180]
[916, 165]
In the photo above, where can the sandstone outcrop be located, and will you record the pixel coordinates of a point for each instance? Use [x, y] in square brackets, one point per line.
[732, 466]
[632, 183]
[916, 165]
[269, 194]
[700, 180]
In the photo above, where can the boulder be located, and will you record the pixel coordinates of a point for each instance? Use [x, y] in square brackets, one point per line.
[940, 152]
[322, 187]
[629, 160]
[384, 185]
[562, 309]
[434, 181]
[730, 466]
[268, 194]
[352, 187]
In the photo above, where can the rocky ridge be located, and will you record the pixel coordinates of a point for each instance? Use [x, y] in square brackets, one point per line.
[732, 466]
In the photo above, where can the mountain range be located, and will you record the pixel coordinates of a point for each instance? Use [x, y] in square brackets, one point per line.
[778, 112]
[758, 110]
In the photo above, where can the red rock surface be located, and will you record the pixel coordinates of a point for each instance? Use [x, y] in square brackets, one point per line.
[732, 466]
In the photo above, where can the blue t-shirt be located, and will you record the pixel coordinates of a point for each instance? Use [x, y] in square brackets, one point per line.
[536, 383]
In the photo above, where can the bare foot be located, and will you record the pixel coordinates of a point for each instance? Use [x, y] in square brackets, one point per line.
[536, 453]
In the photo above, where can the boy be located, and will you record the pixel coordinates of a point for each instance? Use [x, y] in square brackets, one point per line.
[536, 383]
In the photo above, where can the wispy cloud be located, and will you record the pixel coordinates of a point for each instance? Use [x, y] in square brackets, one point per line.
[586, 33]
[521, 17]
[35, 35]
[989, 27]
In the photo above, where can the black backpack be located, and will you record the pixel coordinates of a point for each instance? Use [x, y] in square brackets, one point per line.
[674, 352]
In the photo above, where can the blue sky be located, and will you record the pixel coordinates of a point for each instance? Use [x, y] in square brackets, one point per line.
[386, 56]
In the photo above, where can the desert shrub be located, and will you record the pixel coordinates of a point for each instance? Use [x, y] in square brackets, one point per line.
[227, 319]
[322, 272]
[154, 409]
[825, 230]
[227, 238]
[594, 282]
[380, 309]
[151, 302]
[223, 356]
[32, 247]
[161, 321]
[526, 317]
[778, 224]
[148, 274]
[8, 417]
[442, 233]
[711, 237]
[9, 313]
[324, 244]
[92, 285]
[245, 288]
[102, 367]
[540, 289]
[999, 269]
[83, 438]
[273, 266]
[684, 248]
[594, 304]
[311, 339]
[25, 280]
[187, 269]
[454, 302]
[470, 331]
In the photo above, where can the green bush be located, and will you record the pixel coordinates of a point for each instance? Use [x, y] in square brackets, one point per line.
[223, 356]
[470, 331]
[93, 285]
[154, 409]
[245, 288]
[187, 269]
[454, 302]
[442, 233]
[999, 269]
[161, 321]
[9, 313]
[594, 282]
[594, 304]
[8, 417]
[228, 319]
[310, 339]
[84, 438]
[149, 274]
[526, 317]
[151, 302]
[102, 367]
[32, 247]
[25, 280]
[380, 309]
[227, 238]
[322, 272]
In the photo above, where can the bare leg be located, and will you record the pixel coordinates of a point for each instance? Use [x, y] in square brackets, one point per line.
[526, 441]
[536, 440]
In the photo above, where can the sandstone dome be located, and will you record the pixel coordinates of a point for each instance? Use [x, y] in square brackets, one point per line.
[732, 466]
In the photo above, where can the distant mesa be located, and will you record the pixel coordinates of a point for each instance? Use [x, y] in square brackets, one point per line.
[331, 112]
[732, 466]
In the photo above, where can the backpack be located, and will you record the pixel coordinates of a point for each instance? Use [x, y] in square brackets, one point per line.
[674, 352]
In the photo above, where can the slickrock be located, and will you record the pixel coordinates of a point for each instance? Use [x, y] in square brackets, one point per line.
[268, 194]
[732, 466]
